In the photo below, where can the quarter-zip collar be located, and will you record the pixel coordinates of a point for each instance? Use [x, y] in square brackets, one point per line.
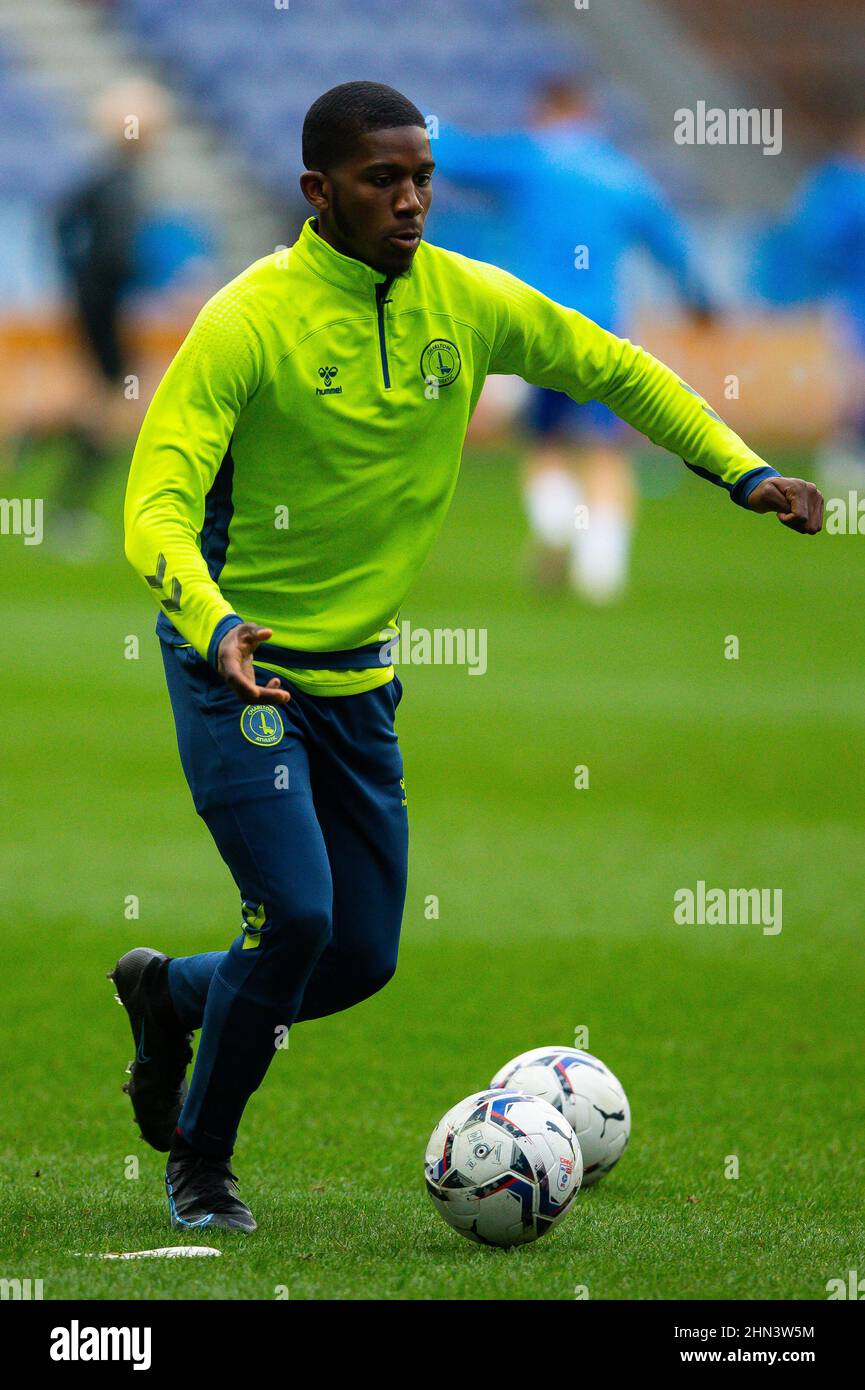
[333, 266]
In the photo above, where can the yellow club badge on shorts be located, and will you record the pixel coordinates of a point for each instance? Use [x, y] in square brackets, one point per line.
[262, 724]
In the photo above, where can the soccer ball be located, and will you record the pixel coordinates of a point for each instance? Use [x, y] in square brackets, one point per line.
[503, 1167]
[582, 1089]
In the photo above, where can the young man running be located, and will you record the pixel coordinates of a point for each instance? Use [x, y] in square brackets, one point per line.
[290, 477]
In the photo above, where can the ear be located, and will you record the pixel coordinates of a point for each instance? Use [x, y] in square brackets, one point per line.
[314, 187]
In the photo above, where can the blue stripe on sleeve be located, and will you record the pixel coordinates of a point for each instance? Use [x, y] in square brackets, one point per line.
[741, 490]
[224, 625]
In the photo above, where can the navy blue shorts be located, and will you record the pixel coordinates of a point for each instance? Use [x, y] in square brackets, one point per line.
[307, 805]
[232, 753]
[552, 413]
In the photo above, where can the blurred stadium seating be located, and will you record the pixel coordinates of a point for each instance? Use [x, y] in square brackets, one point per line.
[41, 143]
[243, 74]
[814, 56]
[255, 73]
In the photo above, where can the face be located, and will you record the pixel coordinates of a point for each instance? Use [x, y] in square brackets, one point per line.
[373, 206]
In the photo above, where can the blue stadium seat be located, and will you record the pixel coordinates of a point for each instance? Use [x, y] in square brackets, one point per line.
[254, 69]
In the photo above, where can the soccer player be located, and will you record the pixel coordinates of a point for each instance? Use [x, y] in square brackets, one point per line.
[289, 479]
[598, 205]
[818, 253]
[97, 229]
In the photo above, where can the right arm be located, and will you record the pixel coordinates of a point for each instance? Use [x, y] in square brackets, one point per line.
[656, 226]
[182, 443]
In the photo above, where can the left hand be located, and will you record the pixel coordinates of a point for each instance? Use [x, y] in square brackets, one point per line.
[234, 663]
[799, 504]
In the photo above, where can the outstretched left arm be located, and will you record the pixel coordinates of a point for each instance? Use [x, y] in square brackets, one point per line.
[552, 346]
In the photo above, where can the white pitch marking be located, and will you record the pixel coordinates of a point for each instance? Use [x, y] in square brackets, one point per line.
[165, 1252]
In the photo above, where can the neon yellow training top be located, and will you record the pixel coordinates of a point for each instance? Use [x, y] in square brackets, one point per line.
[301, 451]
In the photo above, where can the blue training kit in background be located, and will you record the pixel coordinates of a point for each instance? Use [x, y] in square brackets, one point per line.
[553, 414]
[573, 205]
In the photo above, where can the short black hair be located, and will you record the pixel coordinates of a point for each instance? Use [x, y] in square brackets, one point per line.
[337, 119]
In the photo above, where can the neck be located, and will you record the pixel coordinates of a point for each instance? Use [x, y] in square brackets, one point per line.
[333, 238]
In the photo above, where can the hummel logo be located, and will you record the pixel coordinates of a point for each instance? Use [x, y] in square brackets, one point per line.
[157, 580]
[327, 375]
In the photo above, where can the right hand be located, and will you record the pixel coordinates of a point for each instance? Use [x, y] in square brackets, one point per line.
[234, 663]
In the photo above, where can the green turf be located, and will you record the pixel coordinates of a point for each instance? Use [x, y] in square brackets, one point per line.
[556, 910]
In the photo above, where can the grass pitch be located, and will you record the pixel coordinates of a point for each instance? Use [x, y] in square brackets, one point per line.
[555, 910]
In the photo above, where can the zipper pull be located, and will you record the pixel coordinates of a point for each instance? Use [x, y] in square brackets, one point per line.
[382, 292]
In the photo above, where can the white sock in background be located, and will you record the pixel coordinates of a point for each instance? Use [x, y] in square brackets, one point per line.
[600, 554]
[551, 498]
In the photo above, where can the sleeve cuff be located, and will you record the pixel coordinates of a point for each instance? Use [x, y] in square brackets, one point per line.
[224, 625]
[741, 491]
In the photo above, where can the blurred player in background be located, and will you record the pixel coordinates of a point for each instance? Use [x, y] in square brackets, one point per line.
[818, 253]
[114, 247]
[576, 206]
[96, 230]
